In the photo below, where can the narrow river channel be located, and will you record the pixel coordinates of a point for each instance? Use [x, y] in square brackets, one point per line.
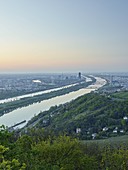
[26, 113]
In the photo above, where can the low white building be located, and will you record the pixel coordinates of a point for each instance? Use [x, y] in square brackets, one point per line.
[115, 131]
[78, 130]
[121, 131]
[94, 135]
[105, 129]
[125, 117]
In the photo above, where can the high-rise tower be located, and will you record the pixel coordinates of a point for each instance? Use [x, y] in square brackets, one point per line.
[79, 75]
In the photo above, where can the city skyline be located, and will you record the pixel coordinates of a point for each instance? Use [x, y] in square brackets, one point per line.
[63, 36]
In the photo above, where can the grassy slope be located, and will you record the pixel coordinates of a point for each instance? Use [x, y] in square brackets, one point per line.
[119, 140]
[121, 95]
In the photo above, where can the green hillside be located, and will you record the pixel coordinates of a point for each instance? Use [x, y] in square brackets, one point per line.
[121, 95]
[92, 116]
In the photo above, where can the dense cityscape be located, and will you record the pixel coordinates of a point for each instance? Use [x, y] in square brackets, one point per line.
[27, 83]
[14, 85]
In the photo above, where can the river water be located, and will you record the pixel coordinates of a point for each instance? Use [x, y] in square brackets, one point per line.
[36, 93]
[26, 113]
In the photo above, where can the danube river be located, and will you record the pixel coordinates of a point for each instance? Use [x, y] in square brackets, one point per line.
[26, 113]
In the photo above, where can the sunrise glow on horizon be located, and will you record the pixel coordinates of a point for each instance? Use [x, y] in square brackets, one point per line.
[69, 35]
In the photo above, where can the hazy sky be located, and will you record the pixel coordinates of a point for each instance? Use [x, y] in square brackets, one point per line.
[63, 35]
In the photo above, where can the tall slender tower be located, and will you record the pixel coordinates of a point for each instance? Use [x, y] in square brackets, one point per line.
[79, 75]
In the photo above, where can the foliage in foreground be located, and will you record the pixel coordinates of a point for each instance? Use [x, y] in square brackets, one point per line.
[38, 150]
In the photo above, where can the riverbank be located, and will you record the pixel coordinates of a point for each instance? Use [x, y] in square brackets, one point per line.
[26, 113]
[27, 100]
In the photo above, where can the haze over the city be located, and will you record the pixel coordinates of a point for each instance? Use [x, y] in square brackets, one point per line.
[63, 35]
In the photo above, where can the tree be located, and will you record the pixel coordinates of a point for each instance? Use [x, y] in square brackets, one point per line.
[9, 164]
[62, 153]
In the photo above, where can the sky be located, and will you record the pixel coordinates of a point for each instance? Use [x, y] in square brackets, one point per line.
[63, 35]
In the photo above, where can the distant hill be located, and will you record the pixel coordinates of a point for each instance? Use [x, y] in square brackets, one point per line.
[92, 116]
